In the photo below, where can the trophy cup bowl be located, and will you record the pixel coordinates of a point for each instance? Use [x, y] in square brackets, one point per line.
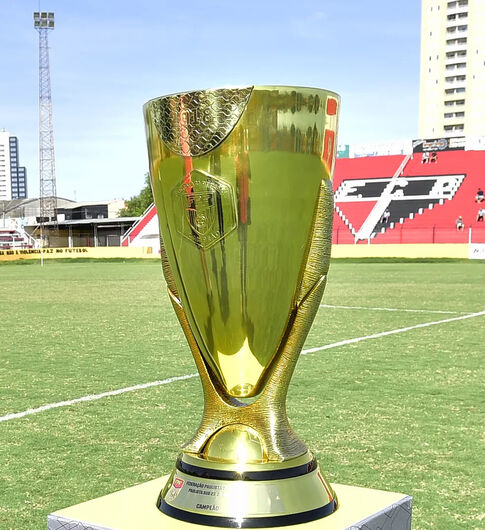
[241, 179]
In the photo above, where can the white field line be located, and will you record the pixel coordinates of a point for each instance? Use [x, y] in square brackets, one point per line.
[94, 397]
[392, 332]
[391, 309]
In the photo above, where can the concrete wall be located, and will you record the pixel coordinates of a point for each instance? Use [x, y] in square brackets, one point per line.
[338, 251]
[79, 252]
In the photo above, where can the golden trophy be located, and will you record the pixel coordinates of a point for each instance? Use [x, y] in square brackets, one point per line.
[242, 184]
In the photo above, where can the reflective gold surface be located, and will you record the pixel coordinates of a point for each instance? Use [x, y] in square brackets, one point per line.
[200, 460]
[242, 183]
[235, 444]
[237, 222]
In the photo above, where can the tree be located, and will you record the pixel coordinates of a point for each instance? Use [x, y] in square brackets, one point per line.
[139, 203]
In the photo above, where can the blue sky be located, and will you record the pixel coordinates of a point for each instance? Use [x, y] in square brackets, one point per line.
[107, 58]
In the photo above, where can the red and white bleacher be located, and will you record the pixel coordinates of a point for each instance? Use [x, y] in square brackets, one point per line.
[145, 232]
[424, 199]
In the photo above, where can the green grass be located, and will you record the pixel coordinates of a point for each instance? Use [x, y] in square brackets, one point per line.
[403, 412]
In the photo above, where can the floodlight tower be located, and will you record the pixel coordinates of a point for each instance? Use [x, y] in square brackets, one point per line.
[43, 23]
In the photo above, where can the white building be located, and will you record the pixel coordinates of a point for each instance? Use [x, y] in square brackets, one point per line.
[13, 178]
[452, 77]
[5, 180]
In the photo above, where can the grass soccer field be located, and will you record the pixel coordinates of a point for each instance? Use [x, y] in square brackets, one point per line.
[388, 394]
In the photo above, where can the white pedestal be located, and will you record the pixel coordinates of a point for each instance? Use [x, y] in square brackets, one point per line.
[134, 509]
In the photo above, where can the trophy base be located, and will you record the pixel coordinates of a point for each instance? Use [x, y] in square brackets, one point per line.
[134, 509]
[215, 494]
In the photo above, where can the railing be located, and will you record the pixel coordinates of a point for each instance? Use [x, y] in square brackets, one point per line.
[382, 204]
[31, 241]
[403, 235]
[15, 236]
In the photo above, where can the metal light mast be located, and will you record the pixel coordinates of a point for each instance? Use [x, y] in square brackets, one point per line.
[43, 23]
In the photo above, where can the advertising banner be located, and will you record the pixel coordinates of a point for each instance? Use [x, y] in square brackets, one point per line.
[477, 251]
[439, 144]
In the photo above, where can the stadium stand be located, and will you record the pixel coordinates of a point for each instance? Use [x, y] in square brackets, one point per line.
[423, 199]
[145, 232]
[13, 236]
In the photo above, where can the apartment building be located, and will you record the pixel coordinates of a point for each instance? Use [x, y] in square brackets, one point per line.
[452, 76]
[13, 178]
[5, 181]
